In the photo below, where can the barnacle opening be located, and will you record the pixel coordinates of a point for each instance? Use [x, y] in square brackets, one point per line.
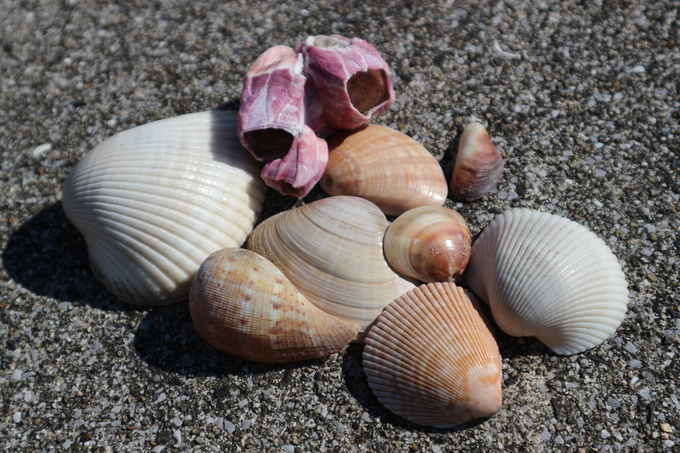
[268, 144]
[368, 89]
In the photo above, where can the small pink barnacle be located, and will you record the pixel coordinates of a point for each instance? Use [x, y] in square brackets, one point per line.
[272, 111]
[349, 82]
[271, 123]
[301, 168]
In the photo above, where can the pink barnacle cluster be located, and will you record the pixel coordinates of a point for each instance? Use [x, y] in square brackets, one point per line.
[293, 99]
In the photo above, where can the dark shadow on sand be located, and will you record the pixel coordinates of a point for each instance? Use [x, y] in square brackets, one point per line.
[48, 256]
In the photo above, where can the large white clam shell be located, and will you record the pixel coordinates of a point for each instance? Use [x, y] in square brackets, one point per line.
[154, 201]
[549, 277]
[332, 251]
[431, 358]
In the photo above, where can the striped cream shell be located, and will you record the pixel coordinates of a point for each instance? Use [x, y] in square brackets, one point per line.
[429, 243]
[431, 358]
[243, 305]
[154, 201]
[385, 166]
[549, 277]
[332, 251]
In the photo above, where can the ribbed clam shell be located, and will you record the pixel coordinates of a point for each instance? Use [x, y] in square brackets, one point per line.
[429, 243]
[549, 277]
[154, 201]
[479, 165]
[243, 305]
[332, 251]
[431, 358]
[384, 166]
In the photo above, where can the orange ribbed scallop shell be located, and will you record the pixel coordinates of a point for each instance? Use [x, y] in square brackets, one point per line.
[431, 358]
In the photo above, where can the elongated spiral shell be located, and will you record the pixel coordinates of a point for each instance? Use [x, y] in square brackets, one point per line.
[154, 201]
[431, 358]
[243, 305]
[549, 277]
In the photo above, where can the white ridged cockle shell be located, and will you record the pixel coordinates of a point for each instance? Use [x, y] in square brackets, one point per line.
[549, 277]
[154, 201]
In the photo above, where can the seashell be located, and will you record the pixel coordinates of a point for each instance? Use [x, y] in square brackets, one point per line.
[271, 123]
[479, 165]
[298, 171]
[384, 166]
[350, 82]
[429, 243]
[549, 277]
[241, 304]
[332, 251]
[431, 358]
[272, 109]
[152, 202]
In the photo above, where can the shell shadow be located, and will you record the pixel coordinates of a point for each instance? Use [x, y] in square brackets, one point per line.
[48, 256]
[166, 340]
[356, 383]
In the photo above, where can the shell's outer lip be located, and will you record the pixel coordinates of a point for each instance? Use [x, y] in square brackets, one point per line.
[546, 276]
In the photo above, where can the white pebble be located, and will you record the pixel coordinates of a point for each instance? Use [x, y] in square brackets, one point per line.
[289, 448]
[645, 393]
[16, 417]
[229, 426]
[16, 375]
[41, 149]
[605, 434]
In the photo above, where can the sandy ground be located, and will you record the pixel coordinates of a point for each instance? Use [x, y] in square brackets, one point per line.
[580, 97]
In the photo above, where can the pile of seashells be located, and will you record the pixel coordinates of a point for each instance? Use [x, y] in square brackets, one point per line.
[166, 207]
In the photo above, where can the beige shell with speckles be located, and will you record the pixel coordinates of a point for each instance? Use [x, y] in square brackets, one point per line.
[243, 305]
